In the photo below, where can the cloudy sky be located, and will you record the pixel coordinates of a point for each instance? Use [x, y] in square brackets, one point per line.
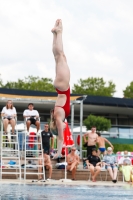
[98, 39]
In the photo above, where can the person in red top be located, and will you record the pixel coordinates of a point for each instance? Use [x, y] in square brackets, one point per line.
[61, 84]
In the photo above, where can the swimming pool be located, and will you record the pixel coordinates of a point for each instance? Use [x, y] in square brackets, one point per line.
[64, 192]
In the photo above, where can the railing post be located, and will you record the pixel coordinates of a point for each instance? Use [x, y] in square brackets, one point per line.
[81, 124]
[72, 118]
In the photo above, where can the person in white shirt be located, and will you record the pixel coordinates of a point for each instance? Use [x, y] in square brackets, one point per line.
[9, 113]
[32, 117]
[123, 158]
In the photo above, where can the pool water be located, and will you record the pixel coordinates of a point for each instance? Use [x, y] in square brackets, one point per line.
[64, 192]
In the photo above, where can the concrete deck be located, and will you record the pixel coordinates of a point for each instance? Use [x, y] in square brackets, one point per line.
[64, 182]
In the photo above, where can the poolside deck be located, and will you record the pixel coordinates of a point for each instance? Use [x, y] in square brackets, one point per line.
[67, 182]
[81, 174]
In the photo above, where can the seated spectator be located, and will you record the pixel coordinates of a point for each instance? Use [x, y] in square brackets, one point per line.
[32, 117]
[127, 170]
[9, 113]
[72, 162]
[132, 176]
[94, 164]
[121, 160]
[47, 164]
[110, 162]
[125, 166]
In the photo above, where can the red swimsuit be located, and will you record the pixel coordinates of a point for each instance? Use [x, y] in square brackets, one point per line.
[66, 107]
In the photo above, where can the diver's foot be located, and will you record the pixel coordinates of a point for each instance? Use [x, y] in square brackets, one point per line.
[58, 27]
[56, 23]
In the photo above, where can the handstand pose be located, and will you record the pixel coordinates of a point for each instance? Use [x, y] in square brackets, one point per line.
[61, 84]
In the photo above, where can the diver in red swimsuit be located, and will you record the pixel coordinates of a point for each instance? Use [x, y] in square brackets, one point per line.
[66, 107]
[61, 83]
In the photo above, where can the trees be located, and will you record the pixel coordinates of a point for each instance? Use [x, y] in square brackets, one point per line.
[32, 83]
[94, 86]
[1, 82]
[128, 92]
[101, 123]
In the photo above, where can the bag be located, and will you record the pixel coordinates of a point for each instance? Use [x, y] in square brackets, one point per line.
[61, 167]
[84, 164]
[85, 144]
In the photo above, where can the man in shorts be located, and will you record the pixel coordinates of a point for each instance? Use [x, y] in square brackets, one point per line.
[32, 117]
[101, 144]
[91, 140]
[46, 135]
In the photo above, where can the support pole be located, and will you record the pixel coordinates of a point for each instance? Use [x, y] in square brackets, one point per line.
[81, 124]
[1, 138]
[72, 118]
[65, 165]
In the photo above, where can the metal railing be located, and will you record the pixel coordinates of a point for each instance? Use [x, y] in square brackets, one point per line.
[10, 153]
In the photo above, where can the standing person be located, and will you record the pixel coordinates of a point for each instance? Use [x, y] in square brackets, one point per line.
[9, 113]
[101, 144]
[61, 84]
[32, 117]
[72, 162]
[94, 164]
[46, 135]
[91, 141]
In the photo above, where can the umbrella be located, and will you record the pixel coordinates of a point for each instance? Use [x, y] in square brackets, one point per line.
[68, 142]
[32, 139]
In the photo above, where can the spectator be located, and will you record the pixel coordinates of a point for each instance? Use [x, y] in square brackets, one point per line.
[91, 140]
[46, 135]
[101, 144]
[94, 164]
[32, 117]
[111, 164]
[72, 162]
[47, 164]
[132, 176]
[124, 157]
[125, 166]
[127, 170]
[9, 113]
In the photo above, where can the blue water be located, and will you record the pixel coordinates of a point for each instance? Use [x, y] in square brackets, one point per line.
[64, 192]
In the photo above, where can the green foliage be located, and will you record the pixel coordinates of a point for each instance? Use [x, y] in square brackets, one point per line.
[94, 86]
[128, 92]
[122, 147]
[32, 83]
[117, 147]
[1, 82]
[101, 123]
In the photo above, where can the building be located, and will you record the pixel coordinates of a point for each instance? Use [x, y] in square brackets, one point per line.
[118, 110]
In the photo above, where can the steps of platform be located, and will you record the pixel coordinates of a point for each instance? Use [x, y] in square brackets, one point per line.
[60, 174]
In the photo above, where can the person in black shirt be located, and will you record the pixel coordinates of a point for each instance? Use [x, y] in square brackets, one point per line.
[46, 135]
[93, 162]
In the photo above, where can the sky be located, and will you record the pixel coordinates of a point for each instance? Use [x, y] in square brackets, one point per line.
[97, 37]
